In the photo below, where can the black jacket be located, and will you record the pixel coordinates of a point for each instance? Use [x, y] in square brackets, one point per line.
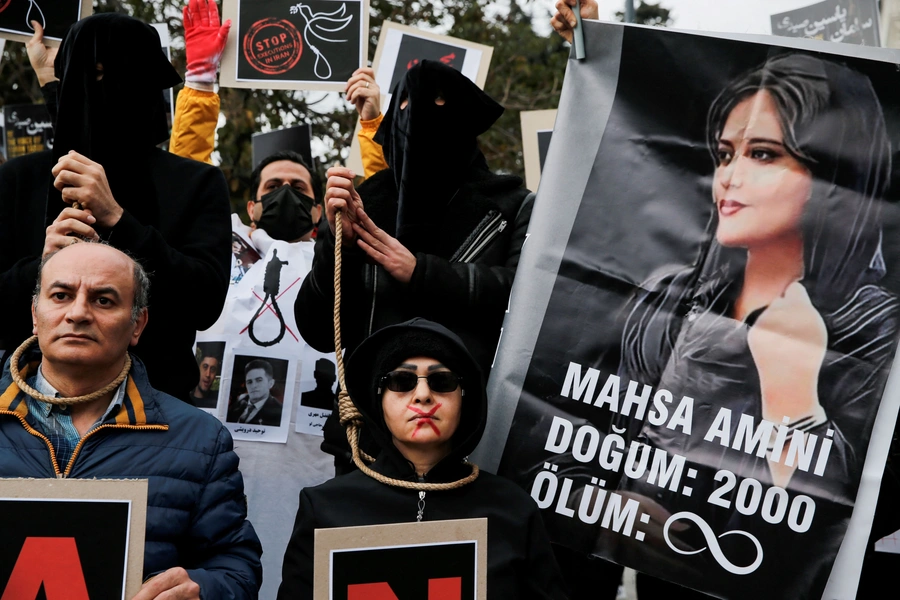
[466, 291]
[183, 241]
[520, 562]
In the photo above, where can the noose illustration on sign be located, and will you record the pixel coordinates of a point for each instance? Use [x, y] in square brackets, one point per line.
[33, 5]
[271, 286]
[313, 23]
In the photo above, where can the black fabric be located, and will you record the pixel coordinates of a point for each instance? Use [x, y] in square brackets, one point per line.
[520, 561]
[432, 148]
[181, 234]
[469, 298]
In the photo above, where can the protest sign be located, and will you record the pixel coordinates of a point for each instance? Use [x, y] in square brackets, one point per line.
[297, 139]
[73, 538]
[281, 44]
[537, 130]
[28, 129]
[56, 16]
[693, 406]
[849, 21]
[353, 563]
[400, 48]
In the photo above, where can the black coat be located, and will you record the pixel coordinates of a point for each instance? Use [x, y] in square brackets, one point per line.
[520, 562]
[183, 241]
[467, 291]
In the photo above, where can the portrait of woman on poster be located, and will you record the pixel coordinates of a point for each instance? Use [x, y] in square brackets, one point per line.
[785, 317]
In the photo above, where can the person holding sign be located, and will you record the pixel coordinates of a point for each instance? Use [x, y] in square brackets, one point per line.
[79, 405]
[783, 338]
[422, 397]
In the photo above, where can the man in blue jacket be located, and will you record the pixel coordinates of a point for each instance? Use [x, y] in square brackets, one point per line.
[90, 412]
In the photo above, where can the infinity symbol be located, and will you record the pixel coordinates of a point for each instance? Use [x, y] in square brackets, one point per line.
[714, 543]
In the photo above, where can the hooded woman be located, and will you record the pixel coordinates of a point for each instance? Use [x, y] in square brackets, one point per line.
[437, 235]
[168, 212]
[784, 324]
[422, 398]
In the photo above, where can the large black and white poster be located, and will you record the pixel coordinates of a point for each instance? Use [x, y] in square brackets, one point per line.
[713, 264]
[849, 21]
[54, 15]
[282, 44]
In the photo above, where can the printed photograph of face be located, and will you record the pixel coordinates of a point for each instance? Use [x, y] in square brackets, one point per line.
[257, 390]
[243, 257]
[209, 357]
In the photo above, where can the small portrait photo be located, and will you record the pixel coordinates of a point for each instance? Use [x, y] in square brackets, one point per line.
[257, 390]
[322, 396]
[243, 256]
[209, 357]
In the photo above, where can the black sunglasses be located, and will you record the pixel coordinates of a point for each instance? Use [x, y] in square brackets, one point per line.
[406, 381]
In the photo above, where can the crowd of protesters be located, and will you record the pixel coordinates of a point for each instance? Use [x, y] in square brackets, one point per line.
[100, 237]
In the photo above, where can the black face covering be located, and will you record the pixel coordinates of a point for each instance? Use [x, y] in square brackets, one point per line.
[432, 147]
[287, 214]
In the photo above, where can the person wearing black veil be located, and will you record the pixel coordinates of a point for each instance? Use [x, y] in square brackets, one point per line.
[170, 213]
[437, 235]
[784, 320]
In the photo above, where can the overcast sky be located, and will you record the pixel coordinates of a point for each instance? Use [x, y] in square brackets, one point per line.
[732, 16]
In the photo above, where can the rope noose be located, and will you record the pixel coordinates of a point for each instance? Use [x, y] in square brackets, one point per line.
[271, 286]
[350, 416]
[14, 371]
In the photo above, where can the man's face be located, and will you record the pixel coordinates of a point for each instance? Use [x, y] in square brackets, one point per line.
[258, 384]
[83, 313]
[277, 174]
[209, 368]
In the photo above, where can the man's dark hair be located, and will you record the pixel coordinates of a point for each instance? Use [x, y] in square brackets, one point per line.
[259, 364]
[290, 155]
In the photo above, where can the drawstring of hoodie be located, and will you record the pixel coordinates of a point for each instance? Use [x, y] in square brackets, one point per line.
[350, 416]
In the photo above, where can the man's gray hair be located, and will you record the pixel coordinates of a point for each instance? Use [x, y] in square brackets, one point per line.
[141, 281]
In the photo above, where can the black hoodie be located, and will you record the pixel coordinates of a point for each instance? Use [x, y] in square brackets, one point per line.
[520, 562]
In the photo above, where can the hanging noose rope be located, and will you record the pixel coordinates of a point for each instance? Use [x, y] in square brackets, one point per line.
[17, 378]
[271, 286]
[350, 416]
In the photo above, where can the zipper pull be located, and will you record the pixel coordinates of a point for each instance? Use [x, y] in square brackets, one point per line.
[502, 226]
[421, 513]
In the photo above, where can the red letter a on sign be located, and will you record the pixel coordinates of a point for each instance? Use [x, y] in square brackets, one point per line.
[53, 562]
[362, 591]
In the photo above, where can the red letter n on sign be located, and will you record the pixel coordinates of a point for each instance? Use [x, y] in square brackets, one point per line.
[449, 588]
[52, 562]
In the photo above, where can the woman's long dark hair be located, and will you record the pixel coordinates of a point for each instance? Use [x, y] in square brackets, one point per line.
[833, 124]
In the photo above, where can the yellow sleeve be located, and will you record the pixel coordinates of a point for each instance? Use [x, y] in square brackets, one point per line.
[194, 124]
[372, 154]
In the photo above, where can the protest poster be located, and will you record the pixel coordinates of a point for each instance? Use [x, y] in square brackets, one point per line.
[28, 129]
[664, 419]
[73, 538]
[286, 45]
[56, 16]
[848, 21]
[165, 40]
[296, 139]
[537, 130]
[401, 47]
[354, 563]
[318, 391]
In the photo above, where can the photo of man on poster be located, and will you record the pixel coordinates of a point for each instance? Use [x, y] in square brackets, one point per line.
[257, 404]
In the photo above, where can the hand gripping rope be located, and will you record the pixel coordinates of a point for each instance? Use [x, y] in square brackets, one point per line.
[271, 285]
[349, 414]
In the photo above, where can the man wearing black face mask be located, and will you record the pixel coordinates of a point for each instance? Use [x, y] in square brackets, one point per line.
[168, 212]
[287, 207]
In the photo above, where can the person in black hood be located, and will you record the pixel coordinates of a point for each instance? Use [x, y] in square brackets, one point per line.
[422, 397]
[437, 235]
[168, 212]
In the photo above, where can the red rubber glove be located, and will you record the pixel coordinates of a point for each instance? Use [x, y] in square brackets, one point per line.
[204, 40]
